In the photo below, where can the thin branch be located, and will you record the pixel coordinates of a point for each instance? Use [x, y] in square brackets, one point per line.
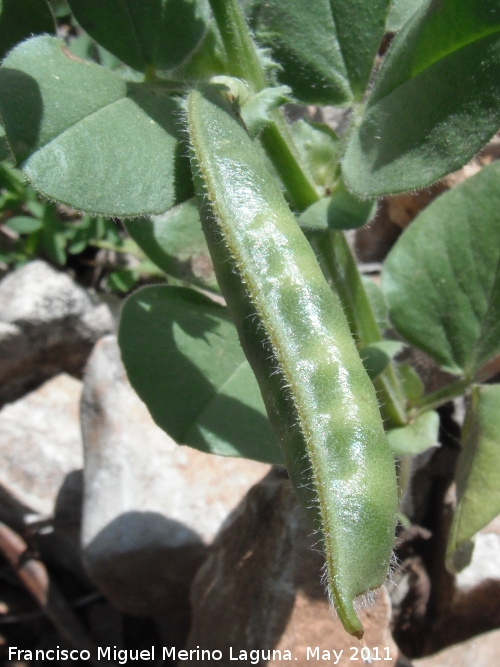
[35, 578]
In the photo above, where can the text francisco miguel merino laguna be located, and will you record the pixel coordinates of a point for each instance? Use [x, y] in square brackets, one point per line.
[254, 657]
[122, 656]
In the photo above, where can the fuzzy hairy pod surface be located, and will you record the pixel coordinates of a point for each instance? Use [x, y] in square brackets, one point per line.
[319, 398]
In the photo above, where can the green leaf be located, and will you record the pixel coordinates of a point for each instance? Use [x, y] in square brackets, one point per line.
[13, 180]
[175, 242]
[360, 27]
[83, 232]
[144, 35]
[106, 58]
[20, 19]
[60, 8]
[87, 138]
[412, 384]
[206, 61]
[319, 147]
[23, 224]
[54, 246]
[80, 241]
[122, 280]
[83, 47]
[326, 48]
[477, 474]
[184, 359]
[256, 112]
[442, 278]
[401, 11]
[5, 153]
[377, 302]
[342, 210]
[376, 357]
[37, 207]
[53, 236]
[417, 436]
[435, 103]
[7, 257]
[107, 230]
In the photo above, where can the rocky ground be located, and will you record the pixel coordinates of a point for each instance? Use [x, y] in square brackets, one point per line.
[113, 535]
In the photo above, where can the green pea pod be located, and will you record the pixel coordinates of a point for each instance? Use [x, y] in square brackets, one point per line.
[292, 328]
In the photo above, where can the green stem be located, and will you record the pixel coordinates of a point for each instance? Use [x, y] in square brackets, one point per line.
[150, 74]
[441, 396]
[243, 62]
[282, 152]
[404, 474]
[242, 58]
[392, 398]
[336, 256]
[338, 263]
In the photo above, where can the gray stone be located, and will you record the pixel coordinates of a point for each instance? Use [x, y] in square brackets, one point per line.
[48, 325]
[485, 562]
[472, 605]
[261, 588]
[41, 447]
[150, 506]
[481, 651]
